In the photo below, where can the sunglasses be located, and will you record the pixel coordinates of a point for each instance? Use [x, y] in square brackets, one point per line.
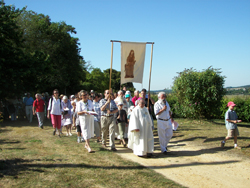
[84, 95]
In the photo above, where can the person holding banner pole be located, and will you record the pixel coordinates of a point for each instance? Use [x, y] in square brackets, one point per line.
[108, 122]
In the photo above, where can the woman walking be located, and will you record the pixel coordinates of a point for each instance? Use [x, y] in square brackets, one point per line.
[55, 111]
[86, 120]
[66, 119]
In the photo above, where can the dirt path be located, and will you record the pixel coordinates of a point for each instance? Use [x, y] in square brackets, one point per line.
[196, 166]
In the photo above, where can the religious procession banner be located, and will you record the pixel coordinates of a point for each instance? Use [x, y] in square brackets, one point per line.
[132, 61]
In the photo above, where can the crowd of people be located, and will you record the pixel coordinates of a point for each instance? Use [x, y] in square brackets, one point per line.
[119, 115]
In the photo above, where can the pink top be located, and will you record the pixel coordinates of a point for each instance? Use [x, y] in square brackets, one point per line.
[134, 99]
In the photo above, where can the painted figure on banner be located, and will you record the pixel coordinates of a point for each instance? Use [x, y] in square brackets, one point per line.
[129, 66]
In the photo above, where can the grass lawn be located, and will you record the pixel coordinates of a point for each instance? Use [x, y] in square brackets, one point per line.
[31, 157]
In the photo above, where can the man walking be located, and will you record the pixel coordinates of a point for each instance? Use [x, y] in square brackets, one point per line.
[28, 102]
[163, 116]
[38, 108]
[108, 122]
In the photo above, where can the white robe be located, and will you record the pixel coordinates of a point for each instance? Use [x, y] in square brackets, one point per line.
[141, 142]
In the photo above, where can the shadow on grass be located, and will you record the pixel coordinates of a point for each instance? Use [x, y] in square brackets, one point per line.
[9, 142]
[16, 166]
[23, 123]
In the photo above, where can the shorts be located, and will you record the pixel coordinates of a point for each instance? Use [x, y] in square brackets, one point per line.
[78, 128]
[232, 132]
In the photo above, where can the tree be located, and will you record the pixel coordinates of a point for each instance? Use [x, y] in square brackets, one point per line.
[116, 80]
[199, 94]
[11, 55]
[52, 50]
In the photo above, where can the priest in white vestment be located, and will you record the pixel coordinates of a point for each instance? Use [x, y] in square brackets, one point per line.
[140, 134]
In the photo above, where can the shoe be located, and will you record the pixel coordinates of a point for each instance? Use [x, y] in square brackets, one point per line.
[222, 144]
[83, 140]
[89, 150]
[54, 132]
[41, 127]
[67, 134]
[165, 152]
[70, 134]
[150, 155]
[113, 149]
[78, 140]
[237, 147]
[59, 136]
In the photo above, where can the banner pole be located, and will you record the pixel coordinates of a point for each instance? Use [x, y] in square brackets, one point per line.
[150, 72]
[110, 72]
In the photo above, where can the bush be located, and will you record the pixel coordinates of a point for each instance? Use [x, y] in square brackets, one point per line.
[198, 94]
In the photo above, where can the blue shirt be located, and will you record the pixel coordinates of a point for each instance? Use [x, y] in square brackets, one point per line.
[231, 115]
[112, 106]
[28, 101]
[97, 110]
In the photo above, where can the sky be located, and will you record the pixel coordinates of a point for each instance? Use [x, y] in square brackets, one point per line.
[186, 34]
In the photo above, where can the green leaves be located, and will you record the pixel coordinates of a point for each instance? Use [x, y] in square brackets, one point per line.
[199, 94]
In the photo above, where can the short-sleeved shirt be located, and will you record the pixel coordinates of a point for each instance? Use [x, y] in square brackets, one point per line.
[231, 115]
[112, 106]
[55, 106]
[97, 110]
[123, 116]
[28, 101]
[39, 104]
[158, 106]
[82, 106]
[134, 99]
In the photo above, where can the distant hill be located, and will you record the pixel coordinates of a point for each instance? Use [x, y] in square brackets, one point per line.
[230, 90]
[247, 86]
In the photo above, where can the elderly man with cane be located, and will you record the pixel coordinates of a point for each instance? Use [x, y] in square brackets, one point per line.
[164, 126]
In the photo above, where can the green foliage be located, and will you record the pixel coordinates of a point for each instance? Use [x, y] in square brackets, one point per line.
[99, 80]
[242, 107]
[36, 54]
[198, 94]
[11, 55]
[53, 51]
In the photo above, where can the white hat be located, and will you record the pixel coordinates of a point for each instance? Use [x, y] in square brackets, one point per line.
[120, 103]
[65, 97]
[91, 91]
[128, 92]
[72, 96]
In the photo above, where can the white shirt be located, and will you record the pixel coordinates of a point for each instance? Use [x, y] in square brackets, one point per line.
[81, 106]
[158, 106]
[56, 107]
